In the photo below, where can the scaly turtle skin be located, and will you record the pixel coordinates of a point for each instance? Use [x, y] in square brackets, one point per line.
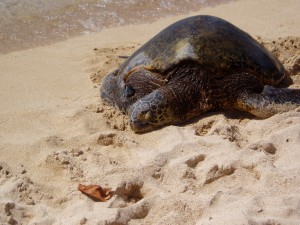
[195, 65]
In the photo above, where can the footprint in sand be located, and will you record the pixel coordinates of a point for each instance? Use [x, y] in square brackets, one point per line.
[116, 140]
[221, 127]
[265, 146]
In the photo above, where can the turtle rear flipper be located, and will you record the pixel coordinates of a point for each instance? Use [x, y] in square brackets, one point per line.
[271, 101]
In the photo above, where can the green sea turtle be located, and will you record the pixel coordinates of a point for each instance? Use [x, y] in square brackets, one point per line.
[195, 65]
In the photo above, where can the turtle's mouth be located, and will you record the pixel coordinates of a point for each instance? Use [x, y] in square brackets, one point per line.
[138, 126]
[142, 122]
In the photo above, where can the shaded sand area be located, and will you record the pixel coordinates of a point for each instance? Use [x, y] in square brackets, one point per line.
[222, 168]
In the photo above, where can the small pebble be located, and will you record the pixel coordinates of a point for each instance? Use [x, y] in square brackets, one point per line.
[65, 162]
[99, 110]
[83, 221]
[269, 148]
[30, 202]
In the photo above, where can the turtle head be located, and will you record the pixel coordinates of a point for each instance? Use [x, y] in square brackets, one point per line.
[150, 112]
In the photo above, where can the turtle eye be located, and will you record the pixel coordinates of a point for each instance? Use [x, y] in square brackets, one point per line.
[145, 115]
[148, 115]
[129, 91]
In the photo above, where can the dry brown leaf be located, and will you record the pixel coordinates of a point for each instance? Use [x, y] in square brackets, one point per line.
[96, 192]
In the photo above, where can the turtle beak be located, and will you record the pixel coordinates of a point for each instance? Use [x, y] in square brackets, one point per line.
[140, 126]
[134, 126]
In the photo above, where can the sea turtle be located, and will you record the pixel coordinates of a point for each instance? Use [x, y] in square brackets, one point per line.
[195, 65]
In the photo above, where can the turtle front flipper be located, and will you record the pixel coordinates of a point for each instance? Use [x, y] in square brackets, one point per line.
[271, 101]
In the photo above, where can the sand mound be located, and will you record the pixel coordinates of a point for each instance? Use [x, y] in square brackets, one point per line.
[287, 50]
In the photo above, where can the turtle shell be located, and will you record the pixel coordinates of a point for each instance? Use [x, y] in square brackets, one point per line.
[214, 44]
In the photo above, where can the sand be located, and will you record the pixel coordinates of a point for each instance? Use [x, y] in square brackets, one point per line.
[222, 168]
